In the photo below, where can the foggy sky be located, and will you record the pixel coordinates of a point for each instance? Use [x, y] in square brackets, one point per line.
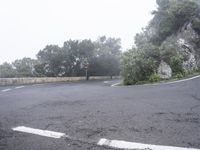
[27, 26]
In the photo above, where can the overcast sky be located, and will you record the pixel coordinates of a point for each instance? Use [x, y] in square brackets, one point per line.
[27, 26]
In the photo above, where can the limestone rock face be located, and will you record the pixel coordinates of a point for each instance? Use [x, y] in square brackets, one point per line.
[187, 43]
[164, 70]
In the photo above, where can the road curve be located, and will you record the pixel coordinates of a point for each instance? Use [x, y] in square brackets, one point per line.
[166, 114]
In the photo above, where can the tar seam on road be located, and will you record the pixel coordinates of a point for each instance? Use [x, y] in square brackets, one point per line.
[102, 142]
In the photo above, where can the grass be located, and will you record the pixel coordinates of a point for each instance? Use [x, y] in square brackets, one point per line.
[173, 79]
[177, 79]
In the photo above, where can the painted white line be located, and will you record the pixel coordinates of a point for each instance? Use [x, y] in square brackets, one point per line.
[19, 87]
[40, 132]
[184, 80]
[116, 84]
[163, 83]
[172, 82]
[106, 81]
[130, 145]
[6, 90]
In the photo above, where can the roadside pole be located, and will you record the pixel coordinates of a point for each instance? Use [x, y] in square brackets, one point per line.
[86, 66]
[86, 73]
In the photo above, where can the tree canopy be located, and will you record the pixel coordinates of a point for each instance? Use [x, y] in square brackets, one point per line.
[101, 57]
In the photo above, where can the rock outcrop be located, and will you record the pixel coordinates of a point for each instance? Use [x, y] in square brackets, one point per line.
[164, 70]
[186, 42]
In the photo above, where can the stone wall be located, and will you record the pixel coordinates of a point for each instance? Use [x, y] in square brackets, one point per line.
[34, 80]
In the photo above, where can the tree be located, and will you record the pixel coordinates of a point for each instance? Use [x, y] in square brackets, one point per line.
[107, 55]
[24, 67]
[65, 61]
[137, 66]
[170, 16]
[105, 65]
[79, 52]
[7, 71]
[52, 59]
[101, 57]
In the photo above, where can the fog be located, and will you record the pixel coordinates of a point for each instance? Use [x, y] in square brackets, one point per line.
[29, 25]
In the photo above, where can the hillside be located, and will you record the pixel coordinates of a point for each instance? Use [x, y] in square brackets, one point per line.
[169, 46]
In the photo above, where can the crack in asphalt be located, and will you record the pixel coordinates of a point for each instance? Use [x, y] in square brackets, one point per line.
[196, 98]
[194, 107]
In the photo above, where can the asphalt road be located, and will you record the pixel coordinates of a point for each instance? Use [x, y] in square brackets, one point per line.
[167, 114]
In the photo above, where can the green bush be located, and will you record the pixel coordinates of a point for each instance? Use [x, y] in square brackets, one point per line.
[137, 67]
[179, 76]
[176, 64]
[196, 24]
[154, 78]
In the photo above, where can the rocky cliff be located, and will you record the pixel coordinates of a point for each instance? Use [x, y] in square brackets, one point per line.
[187, 43]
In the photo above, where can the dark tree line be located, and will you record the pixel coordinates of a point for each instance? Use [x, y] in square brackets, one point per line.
[100, 57]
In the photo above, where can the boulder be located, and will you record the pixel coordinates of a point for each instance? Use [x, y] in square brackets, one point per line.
[164, 70]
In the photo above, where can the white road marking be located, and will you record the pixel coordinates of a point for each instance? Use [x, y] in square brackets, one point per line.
[6, 90]
[102, 142]
[131, 145]
[172, 82]
[116, 84]
[106, 81]
[19, 87]
[40, 132]
[163, 83]
[183, 80]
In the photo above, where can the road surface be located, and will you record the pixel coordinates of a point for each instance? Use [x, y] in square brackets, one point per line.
[166, 114]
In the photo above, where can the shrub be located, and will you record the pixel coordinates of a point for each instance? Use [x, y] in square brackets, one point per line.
[179, 76]
[196, 24]
[154, 78]
[137, 67]
[176, 64]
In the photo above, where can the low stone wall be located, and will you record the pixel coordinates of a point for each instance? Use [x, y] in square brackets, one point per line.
[34, 80]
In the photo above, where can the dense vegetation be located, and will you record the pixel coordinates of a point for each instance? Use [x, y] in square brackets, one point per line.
[141, 62]
[101, 57]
